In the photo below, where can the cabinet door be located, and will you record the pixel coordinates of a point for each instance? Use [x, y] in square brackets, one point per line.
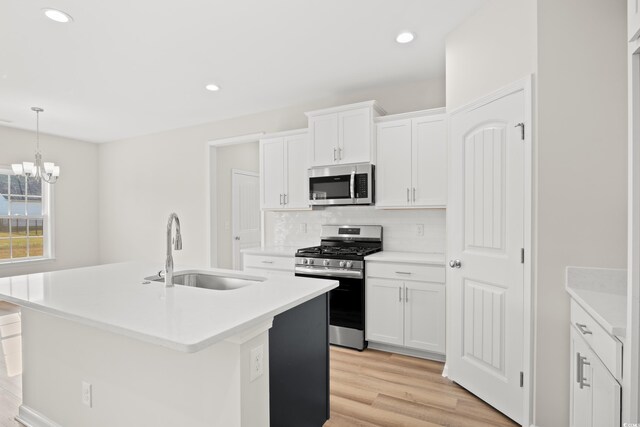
[354, 129]
[384, 311]
[633, 18]
[296, 171]
[429, 162]
[324, 139]
[272, 172]
[393, 171]
[606, 395]
[424, 316]
[580, 401]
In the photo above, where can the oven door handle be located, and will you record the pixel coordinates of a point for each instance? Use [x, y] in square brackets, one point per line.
[352, 185]
[329, 272]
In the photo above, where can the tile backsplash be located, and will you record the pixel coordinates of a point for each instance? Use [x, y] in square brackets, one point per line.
[410, 230]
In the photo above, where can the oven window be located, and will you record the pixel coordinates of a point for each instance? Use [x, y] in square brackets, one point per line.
[331, 187]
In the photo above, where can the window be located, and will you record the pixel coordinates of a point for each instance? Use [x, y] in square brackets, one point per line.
[24, 218]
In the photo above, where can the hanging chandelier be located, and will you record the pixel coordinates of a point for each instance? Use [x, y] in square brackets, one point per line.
[46, 171]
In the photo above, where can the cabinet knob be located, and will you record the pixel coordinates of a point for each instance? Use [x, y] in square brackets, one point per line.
[455, 263]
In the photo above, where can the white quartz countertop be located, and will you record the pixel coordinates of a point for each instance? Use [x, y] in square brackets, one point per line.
[408, 257]
[602, 292]
[284, 251]
[113, 297]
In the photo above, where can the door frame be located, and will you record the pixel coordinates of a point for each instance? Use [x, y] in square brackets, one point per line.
[211, 157]
[528, 356]
[234, 177]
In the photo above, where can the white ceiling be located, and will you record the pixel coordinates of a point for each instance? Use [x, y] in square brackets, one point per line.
[125, 68]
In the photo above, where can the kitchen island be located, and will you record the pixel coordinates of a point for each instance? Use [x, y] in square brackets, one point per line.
[104, 347]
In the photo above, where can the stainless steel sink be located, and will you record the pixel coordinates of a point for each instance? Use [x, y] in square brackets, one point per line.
[208, 280]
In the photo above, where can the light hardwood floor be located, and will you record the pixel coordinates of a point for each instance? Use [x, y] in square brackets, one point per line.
[368, 389]
[375, 388]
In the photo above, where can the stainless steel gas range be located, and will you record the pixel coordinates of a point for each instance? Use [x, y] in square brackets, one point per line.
[340, 256]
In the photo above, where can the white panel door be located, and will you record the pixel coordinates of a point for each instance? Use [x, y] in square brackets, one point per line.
[486, 234]
[384, 311]
[429, 161]
[324, 139]
[296, 171]
[355, 136]
[245, 213]
[272, 173]
[424, 314]
[393, 171]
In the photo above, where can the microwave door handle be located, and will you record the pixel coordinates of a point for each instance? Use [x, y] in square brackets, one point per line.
[352, 185]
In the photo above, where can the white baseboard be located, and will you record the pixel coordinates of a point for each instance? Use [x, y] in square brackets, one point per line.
[407, 351]
[33, 418]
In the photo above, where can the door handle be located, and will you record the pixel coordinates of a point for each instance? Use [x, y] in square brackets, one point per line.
[408, 200]
[339, 153]
[414, 194]
[286, 199]
[352, 185]
[583, 362]
[583, 329]
[406, 295]
[455, 263]
[334, 154]
[399, 293]
[236, 238]
[281, 200]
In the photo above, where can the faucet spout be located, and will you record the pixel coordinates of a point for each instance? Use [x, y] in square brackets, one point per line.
[177, 245]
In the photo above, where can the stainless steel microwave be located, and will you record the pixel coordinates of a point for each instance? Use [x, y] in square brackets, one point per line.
[352, 184]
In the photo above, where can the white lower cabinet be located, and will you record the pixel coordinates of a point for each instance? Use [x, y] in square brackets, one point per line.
[405, 312]
[595, 393]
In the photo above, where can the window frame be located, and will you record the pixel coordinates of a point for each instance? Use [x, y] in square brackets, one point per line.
[47, 225]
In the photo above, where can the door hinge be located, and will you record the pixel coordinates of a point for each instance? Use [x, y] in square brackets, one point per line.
[521, 126]
[522, 255]
[521, 379]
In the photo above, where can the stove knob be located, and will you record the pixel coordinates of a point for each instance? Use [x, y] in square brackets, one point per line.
[326, 262]
[305, 261]
[349, 264]
[342, 263]
[310, 261]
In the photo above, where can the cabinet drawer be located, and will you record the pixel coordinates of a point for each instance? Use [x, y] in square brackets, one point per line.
[269, 262]
[401, 271]
[606, 347]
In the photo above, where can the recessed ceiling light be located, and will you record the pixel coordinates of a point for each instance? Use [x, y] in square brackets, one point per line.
[212, 87]
[57, 15]
[405, 37]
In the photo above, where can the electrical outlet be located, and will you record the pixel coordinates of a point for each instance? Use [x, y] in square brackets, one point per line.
[420, 229]
[86, 394]
[257, 362]
[303, 227]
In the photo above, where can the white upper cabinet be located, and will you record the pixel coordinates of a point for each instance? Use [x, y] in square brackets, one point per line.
[393, 171]
[343, 134]
[412, 160]
[296, 171]
[283, 170]
[633, 17]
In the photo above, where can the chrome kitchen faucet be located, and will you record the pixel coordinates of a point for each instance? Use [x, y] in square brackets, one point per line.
[177, 245]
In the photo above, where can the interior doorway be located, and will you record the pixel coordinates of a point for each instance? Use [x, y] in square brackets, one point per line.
[241, 153]
[245, 213]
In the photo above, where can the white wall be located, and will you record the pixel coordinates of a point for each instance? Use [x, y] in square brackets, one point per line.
[581, 153]
[399, 227]
[242, 156]
[75, 207]
[143, 179]
[494, 47]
